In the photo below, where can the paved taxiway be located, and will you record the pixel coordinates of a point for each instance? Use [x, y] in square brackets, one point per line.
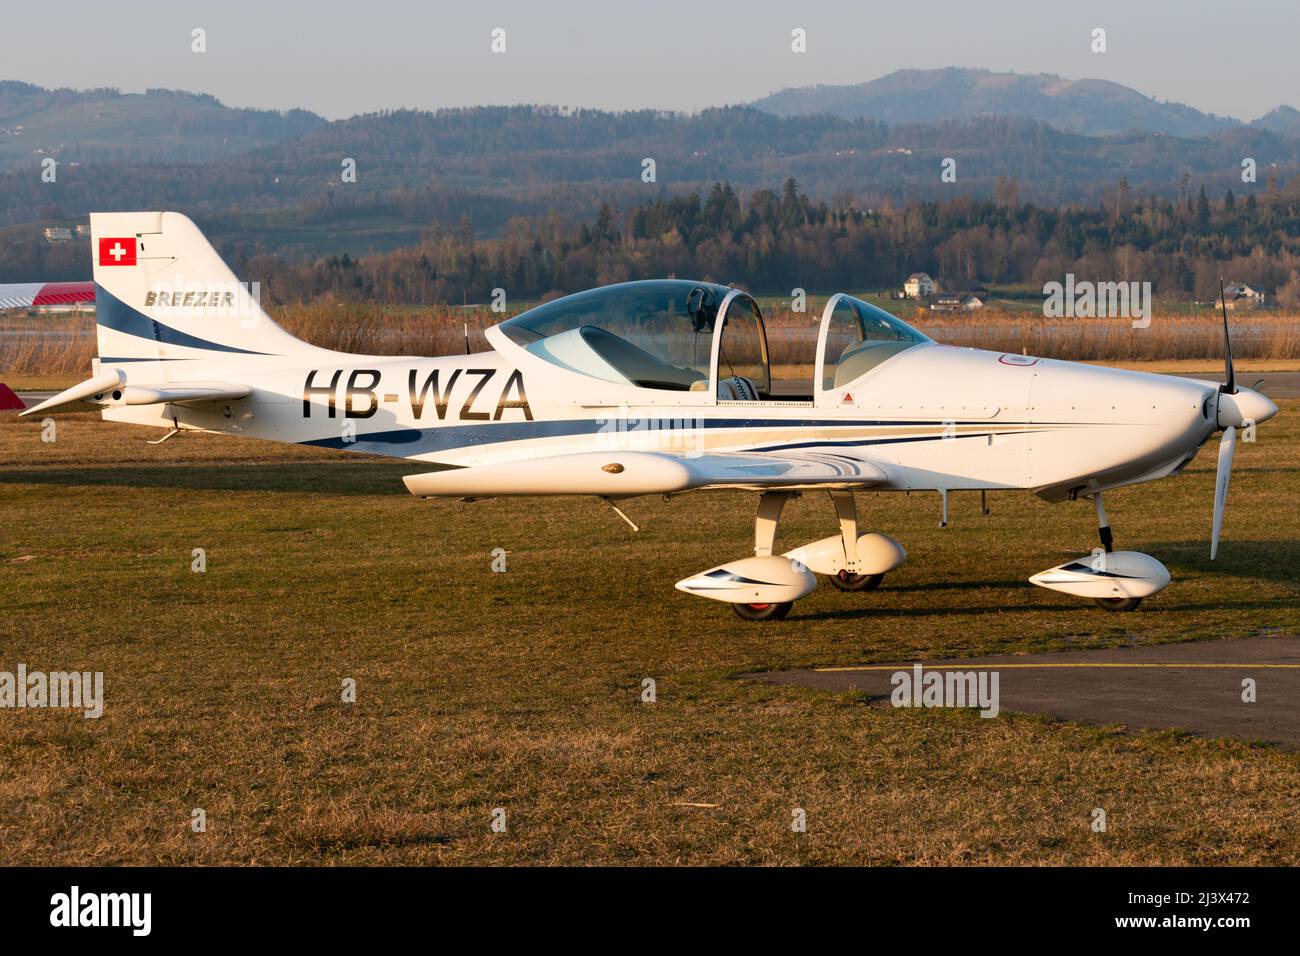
[1195, 686]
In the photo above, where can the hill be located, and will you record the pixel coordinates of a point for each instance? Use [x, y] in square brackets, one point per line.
[105, 125]
[1284, 121]
[1088, 106]
[475, 169]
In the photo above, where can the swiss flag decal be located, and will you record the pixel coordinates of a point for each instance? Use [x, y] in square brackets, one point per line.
[117, 252]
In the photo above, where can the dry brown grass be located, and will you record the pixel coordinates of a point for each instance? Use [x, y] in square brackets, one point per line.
[521, 690]
[52, 345]
[1259, 336]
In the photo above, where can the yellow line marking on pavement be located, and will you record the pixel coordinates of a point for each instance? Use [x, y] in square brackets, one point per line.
[973, 664]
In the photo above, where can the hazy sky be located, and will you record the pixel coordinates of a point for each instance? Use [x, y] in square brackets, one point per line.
[339, 57]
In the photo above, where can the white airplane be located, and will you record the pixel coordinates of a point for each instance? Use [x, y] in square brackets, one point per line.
[658, 388]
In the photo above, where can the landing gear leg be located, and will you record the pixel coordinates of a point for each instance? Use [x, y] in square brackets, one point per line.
[1103, 524]
[1108, 542]
[846, 580]
[770, 506]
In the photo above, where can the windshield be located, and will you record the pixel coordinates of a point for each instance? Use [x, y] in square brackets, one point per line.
[742, 348]
[859, 336]
[655, 334]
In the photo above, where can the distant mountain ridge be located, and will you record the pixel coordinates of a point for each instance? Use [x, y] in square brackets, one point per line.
[1089, 106]
[155, 126]
[273, 179]
[1284, 121]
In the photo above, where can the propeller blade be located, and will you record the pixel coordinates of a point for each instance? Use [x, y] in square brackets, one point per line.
[1229, 374]
[1227, 449]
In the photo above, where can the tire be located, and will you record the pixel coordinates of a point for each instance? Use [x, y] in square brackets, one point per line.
[1119, 604]
[763, 612]
[856, 582]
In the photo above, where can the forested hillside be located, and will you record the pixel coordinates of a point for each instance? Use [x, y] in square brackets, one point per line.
[776, 240]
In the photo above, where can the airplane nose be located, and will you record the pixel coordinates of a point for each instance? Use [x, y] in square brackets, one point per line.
[1244, 405]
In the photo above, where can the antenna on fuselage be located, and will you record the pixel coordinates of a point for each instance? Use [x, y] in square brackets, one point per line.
[464, 306]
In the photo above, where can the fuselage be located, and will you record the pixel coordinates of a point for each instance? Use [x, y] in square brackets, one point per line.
[665, 365]
[935, 416]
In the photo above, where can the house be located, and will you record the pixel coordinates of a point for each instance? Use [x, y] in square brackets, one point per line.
[918, 286]
[1240, 295]
[958, 301]
[58, 234]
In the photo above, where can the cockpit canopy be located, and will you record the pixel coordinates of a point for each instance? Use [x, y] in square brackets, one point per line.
[857, 336]
[655, 334]
[660, 334]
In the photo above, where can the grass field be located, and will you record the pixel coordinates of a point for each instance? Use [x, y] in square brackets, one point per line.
[521, 690]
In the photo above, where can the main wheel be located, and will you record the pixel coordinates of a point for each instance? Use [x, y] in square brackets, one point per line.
[1119, 604]
[763, 612]
[846, 581]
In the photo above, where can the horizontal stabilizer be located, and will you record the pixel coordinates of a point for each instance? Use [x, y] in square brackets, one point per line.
[80, 393]
[626, 474]
[179, 393]
[109, 388]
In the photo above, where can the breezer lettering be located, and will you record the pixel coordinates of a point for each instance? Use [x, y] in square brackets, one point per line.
[192, 299]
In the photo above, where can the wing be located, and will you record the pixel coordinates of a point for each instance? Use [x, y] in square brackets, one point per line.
[626, 474]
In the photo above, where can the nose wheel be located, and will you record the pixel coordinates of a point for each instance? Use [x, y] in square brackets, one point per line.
[1119, 604]
[1115, 605]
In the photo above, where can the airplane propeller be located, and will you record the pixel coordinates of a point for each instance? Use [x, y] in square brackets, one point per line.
[1234, 409]
[1229, 374]
[1228, 443]
[1227, 449]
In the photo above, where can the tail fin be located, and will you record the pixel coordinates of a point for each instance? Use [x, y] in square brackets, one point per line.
[162, 294]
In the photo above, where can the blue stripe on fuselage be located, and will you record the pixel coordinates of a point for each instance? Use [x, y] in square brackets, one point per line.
[408, 442]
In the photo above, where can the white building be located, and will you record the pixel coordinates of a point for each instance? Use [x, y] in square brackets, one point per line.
[918, 286]
[960, 301]
[1238, 294]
